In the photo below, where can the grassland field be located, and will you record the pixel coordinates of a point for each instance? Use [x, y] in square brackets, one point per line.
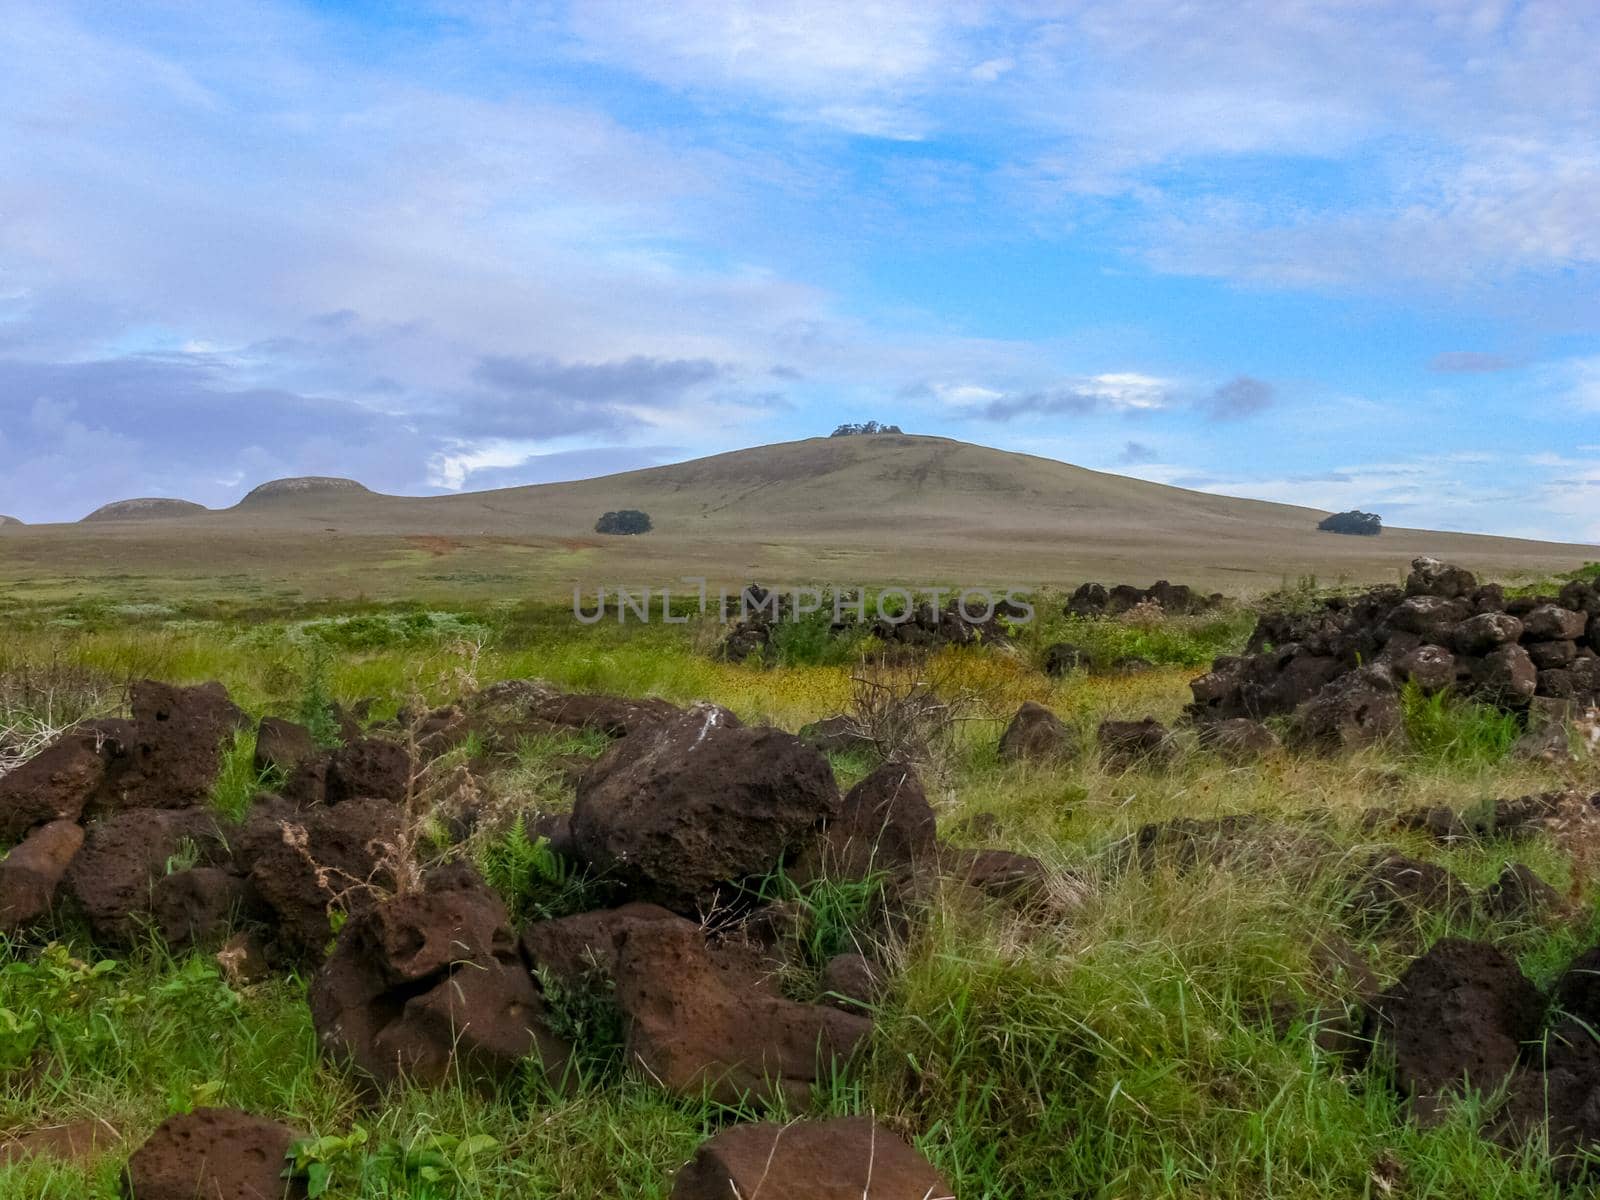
[1110, 1048]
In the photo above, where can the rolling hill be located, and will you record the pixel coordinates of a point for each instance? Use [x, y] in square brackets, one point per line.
[875, 510]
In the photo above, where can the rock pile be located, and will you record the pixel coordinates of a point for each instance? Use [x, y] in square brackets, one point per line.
[1336, 670]
[924, 627]
[420, 976]
[1174, 599]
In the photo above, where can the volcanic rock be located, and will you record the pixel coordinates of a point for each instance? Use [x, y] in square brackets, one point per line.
[847, 1158]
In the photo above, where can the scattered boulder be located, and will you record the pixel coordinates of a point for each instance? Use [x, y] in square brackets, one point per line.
[1431, 668]
[213, 1154]
[1393, 889]
[1176, 599]
[1458, 1016]
[112, 877]
[1063, 658]
[1520, 895]
[74, 1142]
[698, 806]
[847, 1158]
[1506, 676]
[1239, 739]
[429, 985]
[837, 735]
[1556, 1101]
[885, 825]
[580, 952]
[305, 865]
[1016, 879]
[852, 982]
[1037, 735]
[198, 907]
[56, 784]
[1128, 744]
[370, 768]
[281, 746]
[687, 1029]
[513, 708]
[172, 754]
[30, 874]
[1577, 992]
[1361, 709]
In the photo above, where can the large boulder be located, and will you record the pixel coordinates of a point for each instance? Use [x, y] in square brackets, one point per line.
[1552, 623]
[306, 865]
[1430, 577]
[1037, 735]
[30, 874]
[112, 877]
[697, 805]
[847, 1158]
[54, 785]
[1128, 744]
[1506, 675]
[430, 985]
[1457, 1017]
[885, 826]
[213, 1154]
[172, 754]
[281, 746]
[693, 1033]
[1431, 668]
[1486, 631]
[1360, 709]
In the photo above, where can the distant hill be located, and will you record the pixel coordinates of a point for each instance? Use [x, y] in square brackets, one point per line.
[5, 520]
[145, 508]
[889, 508]
[300, 487]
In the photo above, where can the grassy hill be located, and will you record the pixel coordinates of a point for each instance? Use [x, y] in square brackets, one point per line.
[877, 510]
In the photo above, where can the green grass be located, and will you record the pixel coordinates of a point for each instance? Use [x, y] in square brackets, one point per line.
[1109, 1047]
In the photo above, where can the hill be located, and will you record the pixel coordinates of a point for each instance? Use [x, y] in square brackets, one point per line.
[145, 508]
[877, 509]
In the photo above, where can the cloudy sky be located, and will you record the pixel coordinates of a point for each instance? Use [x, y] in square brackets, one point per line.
[1344, 254]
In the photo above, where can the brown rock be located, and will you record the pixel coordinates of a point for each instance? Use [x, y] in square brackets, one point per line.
[74, 1142]
[30, 874]
[53, 785]
[282, 746]
[173, 752]
[1128, 744]
[124, 854]
[690, 1031]
[213, 1154]
[1458, 1016]
[681, 812]
[1037, 735]
[847, 1158]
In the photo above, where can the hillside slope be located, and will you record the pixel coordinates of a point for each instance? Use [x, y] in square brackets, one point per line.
[880, 509]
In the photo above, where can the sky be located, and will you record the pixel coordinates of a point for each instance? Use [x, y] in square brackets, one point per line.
[1337, 254]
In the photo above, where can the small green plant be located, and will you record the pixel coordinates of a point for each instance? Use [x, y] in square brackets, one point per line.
[238, 781]
[317, 711]
[534, 881]
[1444, 727]
[836, 912]
[424, 1166]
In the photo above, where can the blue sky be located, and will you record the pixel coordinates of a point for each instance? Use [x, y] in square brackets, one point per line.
[1336, 254]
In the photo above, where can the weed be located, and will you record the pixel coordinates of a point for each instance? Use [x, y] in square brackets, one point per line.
[533, 880]
[1446, 728]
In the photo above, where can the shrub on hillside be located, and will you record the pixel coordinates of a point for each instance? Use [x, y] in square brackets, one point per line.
[1363, 524]
[627, 520]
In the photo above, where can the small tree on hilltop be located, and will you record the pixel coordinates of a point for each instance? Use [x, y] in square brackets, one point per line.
[626, 520]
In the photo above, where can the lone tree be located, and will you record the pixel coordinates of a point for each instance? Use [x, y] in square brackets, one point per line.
[848, 430]
[1363, 524]
[627, 520]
